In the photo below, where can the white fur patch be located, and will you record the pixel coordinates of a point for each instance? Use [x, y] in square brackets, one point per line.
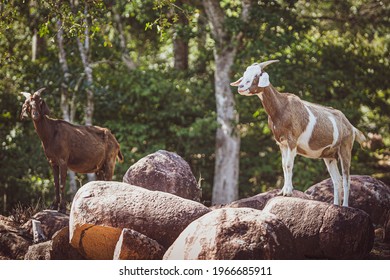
[264, 80]
[335, 130]
[249, 75]
[303, 140]
[251, 71]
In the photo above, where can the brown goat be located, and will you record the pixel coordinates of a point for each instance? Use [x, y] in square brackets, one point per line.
[304, 128]
[83, 149]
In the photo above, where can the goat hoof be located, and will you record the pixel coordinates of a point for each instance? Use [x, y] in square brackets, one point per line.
[285, 193]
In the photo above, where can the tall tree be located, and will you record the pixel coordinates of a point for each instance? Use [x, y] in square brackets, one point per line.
[84, 46]
[126, 59]
[181, 40]
[68, 106]
[83, 43]
[225, 187]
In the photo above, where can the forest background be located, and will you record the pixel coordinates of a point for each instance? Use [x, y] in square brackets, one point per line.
[157, 74]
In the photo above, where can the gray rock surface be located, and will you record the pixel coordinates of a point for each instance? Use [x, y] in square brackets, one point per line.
[164, 171]
[367, 193]
[234, 233]
[324, 231]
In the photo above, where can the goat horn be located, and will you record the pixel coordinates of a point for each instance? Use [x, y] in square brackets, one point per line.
[38, 92]
[26, 94]
[266, 63]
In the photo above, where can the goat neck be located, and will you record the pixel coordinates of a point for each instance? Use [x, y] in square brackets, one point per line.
[44, 128]
[273, 101]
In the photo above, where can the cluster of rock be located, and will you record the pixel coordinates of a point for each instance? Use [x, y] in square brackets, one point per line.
[156, 214]
[16, 242]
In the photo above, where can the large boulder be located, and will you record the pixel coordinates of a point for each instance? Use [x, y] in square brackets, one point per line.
[14, 242]
[133, 245]
[229, 234]
[260, 200]
[367, 193]
[323, 230]
[164, 171]
[51, 222]
[101, 209]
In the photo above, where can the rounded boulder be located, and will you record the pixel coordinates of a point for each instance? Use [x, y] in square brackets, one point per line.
[164, 171]
[51, 222]
[323, 230]
[234, 233]
[366, 193]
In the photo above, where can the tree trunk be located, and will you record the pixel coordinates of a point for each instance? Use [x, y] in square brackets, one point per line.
[180, 50]
[34, 43]
[67, 103]
[127, 60]
[84, 50]
[181, 40]
[227, 148]
[34, 39]
[201, 65]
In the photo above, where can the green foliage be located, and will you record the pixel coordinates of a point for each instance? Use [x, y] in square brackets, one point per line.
[152, 110]
[326, 58]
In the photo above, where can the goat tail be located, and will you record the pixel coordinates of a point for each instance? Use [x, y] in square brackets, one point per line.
[120, 156]
[359, 136]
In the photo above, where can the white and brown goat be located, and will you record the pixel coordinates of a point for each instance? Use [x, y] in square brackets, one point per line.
[304, 128]
[83, 149]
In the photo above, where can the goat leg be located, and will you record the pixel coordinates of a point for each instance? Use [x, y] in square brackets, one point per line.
[345, 166]
[345, 159]
[100, 175]
[283, 150]
[109, 168]
[333, 170]
[63, 173]
[56, 174]
[288, 156]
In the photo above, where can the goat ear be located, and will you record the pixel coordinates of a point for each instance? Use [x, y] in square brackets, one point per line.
[23, 113]
[264, 80]
[236, 83]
